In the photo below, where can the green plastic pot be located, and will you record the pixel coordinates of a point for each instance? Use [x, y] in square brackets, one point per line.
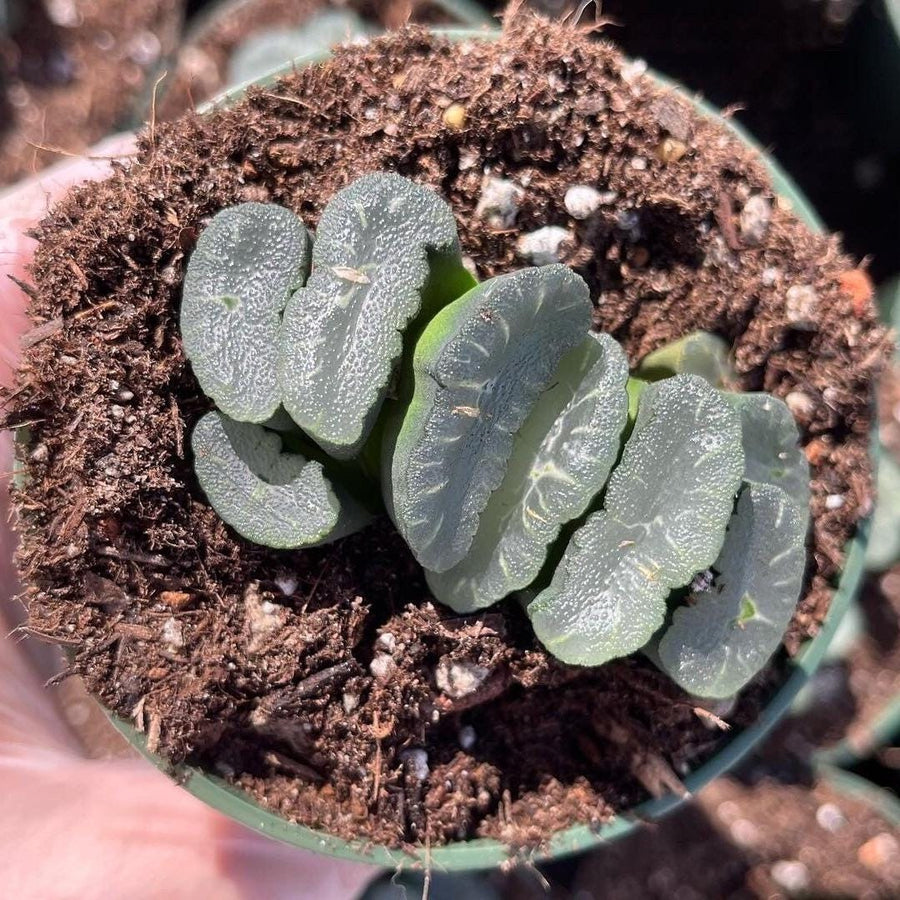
[485, 853]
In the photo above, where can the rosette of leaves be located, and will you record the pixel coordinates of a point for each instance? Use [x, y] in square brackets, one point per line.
[517, 455]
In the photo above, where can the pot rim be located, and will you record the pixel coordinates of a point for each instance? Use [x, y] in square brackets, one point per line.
[486, 853]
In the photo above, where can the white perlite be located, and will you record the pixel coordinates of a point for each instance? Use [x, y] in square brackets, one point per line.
[541, 247]
[755, 218]
[802, 307]
[582, 201]
[459, 679]
[382, 667]
[498, 204]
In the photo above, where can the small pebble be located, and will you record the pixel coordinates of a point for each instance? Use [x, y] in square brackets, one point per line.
[116, 411]
[800, 405]
[744, 833]
[791, 874]
[415, 763]
[770, 276]
[386, 642]
[498, 204]
[382, 667]
[639, 163]
[459, 679]
[455, 116]
[287, 584]
[172, 635]
[830, 817]
[607, 198]
[541, 247]
[879, 851]
[834, 501]
[802, 307]
[755, 219]
[632, 70]
[467, 737]
[582, 201]
[670, 150]
[40, 453]
[350, 701]
[125, 396]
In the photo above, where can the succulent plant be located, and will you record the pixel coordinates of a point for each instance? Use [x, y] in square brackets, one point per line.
[517, 456]
[273, 47]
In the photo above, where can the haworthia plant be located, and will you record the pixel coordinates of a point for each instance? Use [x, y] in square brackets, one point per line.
[884, 537]
[726, 633]
[386, 248]
[507, 417]
[274, 47]
[479, 367]
[277, 499]
[699, 353]
[560, 461]
[772, 449]
[663, 520]
[246, 264]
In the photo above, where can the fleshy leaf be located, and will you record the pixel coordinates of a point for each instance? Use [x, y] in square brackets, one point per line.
[883, 549]
[266, 50]
[276, 499]
[386, 249]
[560, 461]
[246, 263]
[478, 369]
[726, 634]
[772, 452]
[699, 353]
[666, 508]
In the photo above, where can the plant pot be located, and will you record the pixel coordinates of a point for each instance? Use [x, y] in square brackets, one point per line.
[486, 853]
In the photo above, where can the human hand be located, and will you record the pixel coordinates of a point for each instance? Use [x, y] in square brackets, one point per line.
[73, 827]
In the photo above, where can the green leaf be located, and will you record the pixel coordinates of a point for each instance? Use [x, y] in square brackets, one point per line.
[276, 499]
[883, 549]
[377, 243]
[560, 461]
[726, 634]
[699, 353]
[664, 517]
[271, 48]
[772, 452]
[478, 369]
[245, 265]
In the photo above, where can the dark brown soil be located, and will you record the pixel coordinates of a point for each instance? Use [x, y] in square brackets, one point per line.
[256, 663]
[200, 70]
[71, 81]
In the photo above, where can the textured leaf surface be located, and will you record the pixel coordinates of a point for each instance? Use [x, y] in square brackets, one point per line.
[272, 498]
[561, 459]
[665, 512]
[479, 368]
[245, 265]
[727, 633]
[699, 353]
[772, 452]
[377, 243]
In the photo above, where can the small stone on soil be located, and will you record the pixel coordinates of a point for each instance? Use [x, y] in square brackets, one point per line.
[582, 201]
[834, 501]
[830, 817]
[879, 851]
[802, 307]
[800, 405]
[459, 679]
[382, 667]
[467, 737]
[791, 874]
[415, 763]
[755, 219]
[172, 635]
[770, 276]
[386, 642]
[498, 204]
[541, 247]
[350, 701]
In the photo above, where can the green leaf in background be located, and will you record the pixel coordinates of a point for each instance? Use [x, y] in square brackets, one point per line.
[724, 635]
[276, 499]
[699, 353]
[772, 452]
[247, 262]
[883, 549]
[386, 250]
[479, 368]
[664, 518]
[560, 461]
